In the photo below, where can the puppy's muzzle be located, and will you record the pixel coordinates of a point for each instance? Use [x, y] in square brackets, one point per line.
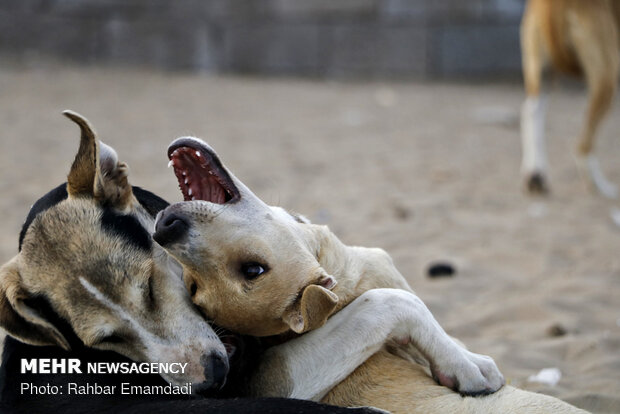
[170, 228]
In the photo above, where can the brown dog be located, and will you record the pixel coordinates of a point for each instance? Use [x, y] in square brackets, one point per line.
[578, 38]
[259, 270]
[86, 254]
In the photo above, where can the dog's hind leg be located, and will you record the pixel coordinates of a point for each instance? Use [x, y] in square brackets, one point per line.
[596, 46]
[534, 163]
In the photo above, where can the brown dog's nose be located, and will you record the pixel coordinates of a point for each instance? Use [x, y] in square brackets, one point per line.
[216, 369]
[170, 228]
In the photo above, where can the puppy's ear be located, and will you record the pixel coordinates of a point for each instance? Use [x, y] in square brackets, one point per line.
[17, 318]
[312, 310]
[96, 171]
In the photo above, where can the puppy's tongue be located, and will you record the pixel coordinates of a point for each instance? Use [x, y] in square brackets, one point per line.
[198, 178]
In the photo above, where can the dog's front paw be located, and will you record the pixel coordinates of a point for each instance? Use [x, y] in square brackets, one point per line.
[471, 375]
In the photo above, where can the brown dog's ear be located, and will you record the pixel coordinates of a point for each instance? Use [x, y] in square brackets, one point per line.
[312, 310]
[18, 319]
[96, 171]
[111, 184]
[82, 175]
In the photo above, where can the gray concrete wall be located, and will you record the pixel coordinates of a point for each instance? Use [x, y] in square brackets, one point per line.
[333, 38]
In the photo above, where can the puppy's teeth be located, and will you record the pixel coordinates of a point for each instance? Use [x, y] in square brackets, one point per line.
[186, 181]
[189, 191]
[170, 163]
[183, 173]
[198, 153]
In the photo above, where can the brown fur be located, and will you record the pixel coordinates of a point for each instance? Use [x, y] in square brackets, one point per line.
[579, 38]
[386, 382]
[114, 295]
[82, 175]
[17, 318]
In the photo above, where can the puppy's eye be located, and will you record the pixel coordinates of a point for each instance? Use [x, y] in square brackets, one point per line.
[192, 289]
[253, 270]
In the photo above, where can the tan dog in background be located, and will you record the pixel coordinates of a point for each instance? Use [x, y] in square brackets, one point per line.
[579, 38]
[262, 271]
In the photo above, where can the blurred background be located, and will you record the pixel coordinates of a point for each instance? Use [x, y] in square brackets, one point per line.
[319, 38]
[395, 122]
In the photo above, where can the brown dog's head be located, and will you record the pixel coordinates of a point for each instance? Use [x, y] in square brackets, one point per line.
[251, 267]
[88, 274]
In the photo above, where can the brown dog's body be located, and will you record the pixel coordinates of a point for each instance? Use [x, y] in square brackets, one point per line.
[262, 271]
[579, 38]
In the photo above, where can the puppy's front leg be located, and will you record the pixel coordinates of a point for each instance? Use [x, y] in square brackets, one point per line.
[309, 366]
[451, 364]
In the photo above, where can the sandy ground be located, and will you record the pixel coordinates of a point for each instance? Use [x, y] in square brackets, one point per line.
[428, 171]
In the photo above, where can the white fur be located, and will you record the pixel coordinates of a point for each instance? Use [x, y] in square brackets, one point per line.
[321, 358]
[533, 136]
[361, 329]
[107, 158]
[591, 170]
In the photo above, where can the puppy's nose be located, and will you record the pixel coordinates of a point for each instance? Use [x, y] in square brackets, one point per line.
[216, 369]
[170, 228]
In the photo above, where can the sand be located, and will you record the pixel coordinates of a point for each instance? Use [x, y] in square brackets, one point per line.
[427, 171]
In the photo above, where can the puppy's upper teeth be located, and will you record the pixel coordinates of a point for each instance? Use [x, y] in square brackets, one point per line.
[170, 163]
[198, 153]
[183, 173]
[186, 181]
[189, 191]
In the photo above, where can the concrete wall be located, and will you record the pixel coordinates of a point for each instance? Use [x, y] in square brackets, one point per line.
[374, 38]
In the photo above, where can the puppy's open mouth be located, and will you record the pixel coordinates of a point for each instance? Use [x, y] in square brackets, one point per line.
[200, 173]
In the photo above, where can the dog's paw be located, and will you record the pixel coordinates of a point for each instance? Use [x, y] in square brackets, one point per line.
[536, 184]
[592, 172]
[471, 375]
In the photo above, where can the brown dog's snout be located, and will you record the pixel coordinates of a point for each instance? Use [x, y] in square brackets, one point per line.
[216, 368]
[170, 227]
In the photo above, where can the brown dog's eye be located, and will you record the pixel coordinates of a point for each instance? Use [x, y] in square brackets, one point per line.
[252, 270]
[193, 288]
